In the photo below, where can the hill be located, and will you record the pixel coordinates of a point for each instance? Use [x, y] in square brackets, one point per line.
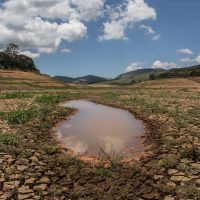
[20, 62]
[21, 80]
[134, 76]
[178, 73]
[90, 79]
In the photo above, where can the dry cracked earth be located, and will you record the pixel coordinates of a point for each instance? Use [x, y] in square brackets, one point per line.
[33, 166]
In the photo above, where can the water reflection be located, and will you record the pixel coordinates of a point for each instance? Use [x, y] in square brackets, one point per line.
[97, 125]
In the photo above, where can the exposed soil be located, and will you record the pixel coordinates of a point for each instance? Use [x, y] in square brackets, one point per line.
[33, 166]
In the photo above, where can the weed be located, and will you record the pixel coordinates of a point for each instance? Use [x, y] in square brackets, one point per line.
[10, 140]
[104, 172]
[18, 116]
[114, 158]
[16, 95]
[191, 153]
[52, 99]
[170, 161]
[50, 149]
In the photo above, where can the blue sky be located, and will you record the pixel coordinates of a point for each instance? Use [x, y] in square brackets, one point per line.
[166, 35]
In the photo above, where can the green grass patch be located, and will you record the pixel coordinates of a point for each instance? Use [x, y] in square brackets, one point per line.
[103, 172]
[52, 99]
[16, 95]
[10, 140]
[18, 116]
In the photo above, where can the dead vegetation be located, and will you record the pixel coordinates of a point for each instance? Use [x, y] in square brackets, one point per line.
[34, 167]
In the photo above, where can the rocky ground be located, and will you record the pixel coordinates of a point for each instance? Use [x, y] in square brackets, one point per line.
[33, 166]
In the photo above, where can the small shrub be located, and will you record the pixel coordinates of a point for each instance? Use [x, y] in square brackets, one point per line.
[191, 153]
[71, 161]
[51, 150]
[170, 161]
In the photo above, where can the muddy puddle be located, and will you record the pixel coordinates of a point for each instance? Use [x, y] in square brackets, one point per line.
[96, 126]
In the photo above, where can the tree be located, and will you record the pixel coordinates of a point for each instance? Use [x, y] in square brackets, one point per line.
[152, 77]
[12, 49]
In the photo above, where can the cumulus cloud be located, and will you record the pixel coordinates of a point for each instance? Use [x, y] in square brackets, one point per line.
[30, 54]
[43, 24]
[158, 64]
[65, 51]
[126, 16]
[198, 59]
[134, 66]
[185, 51]
[149, 30]
[187, 60]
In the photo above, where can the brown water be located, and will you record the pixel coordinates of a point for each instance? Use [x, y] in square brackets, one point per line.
[96, 125]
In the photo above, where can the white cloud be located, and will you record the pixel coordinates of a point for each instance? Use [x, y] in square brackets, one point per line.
[198, 59]
[185, 51]
[134, 66]
[65, 51]
[30, 54]
[187, 60]
[43, 24]
[149, 30]
[156, 37]
[126, 16]
[165, 65]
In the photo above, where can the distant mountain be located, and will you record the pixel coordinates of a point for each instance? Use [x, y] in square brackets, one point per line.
[64, 79]
[90, 79]
[134, 76]
[178, 72]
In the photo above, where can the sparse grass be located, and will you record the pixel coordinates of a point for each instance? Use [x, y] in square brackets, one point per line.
[104, 172]
[51, 99]
[114, 158]
[18, 116]
[50, 149]
[16, 95]
[9, 140]
[170, 161]
[192, 152]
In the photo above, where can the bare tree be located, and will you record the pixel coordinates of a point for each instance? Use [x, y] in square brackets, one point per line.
[12, 49]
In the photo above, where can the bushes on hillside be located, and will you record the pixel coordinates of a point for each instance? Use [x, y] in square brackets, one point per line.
[10, 59]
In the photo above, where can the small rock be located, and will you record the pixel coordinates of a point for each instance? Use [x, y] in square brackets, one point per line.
[186, 179]
[169, 198]
[2, 179]
[25, 196]
[22, 162]
[10, 185]
[196, 166]
[158, 177]
[172, 171]
[21, 167]
[34, 159]
[198, 181]
[30, 181]
[25, 190]
[177, 178]
[44, 180]
[41, 187]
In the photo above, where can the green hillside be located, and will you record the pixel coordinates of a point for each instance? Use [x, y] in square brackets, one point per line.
[178, 73]
[134, 76]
